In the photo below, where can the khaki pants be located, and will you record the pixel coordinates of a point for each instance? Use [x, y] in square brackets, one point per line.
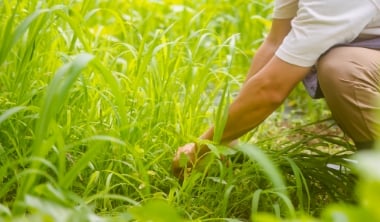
[350, 78]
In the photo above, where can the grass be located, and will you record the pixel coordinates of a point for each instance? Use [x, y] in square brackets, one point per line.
[97, 95]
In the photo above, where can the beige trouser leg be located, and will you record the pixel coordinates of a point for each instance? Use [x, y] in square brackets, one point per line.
[350, 78]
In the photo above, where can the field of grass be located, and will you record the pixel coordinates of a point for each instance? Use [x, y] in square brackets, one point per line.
[96, 96]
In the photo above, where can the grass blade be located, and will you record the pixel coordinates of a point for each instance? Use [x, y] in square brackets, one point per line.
[11, 112]
[272, 171]
[56, 94]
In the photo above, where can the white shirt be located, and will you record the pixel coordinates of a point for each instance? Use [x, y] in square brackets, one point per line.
[317, 25]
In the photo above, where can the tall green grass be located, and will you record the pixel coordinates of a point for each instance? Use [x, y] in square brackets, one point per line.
[97, 95]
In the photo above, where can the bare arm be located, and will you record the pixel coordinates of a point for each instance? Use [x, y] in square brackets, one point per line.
[268, 83]
[260, 96]
[280, 28]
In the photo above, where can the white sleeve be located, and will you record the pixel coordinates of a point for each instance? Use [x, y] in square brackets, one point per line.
[284, 9]
[319, 25]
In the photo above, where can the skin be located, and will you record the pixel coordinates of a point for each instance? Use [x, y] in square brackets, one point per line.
[268, 83]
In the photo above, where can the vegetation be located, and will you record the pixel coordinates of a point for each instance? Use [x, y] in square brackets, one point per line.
[96, 96]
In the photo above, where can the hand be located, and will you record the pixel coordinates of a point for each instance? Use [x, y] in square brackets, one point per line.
[186, 157]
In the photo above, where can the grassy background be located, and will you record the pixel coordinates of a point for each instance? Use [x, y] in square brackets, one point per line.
[95, 97]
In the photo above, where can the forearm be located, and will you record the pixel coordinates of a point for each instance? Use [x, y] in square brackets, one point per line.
[249, 109]
[262, 94]
[245, 113]
[264, 55]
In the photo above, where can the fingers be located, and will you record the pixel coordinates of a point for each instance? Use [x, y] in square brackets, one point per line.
[188, 149]
[184, 160]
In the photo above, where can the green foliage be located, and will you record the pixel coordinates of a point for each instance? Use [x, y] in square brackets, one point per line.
[95, 97]
[155, 210]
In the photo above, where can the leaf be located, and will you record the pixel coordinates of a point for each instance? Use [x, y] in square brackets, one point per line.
[367, 162]
[222, 114]
[157, 211]
[56, 93]
[10, 39]
[271, 170]
[4, 210]
[8, 113]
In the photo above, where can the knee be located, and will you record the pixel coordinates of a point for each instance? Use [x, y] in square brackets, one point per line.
[335, 70]
[332, 69]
